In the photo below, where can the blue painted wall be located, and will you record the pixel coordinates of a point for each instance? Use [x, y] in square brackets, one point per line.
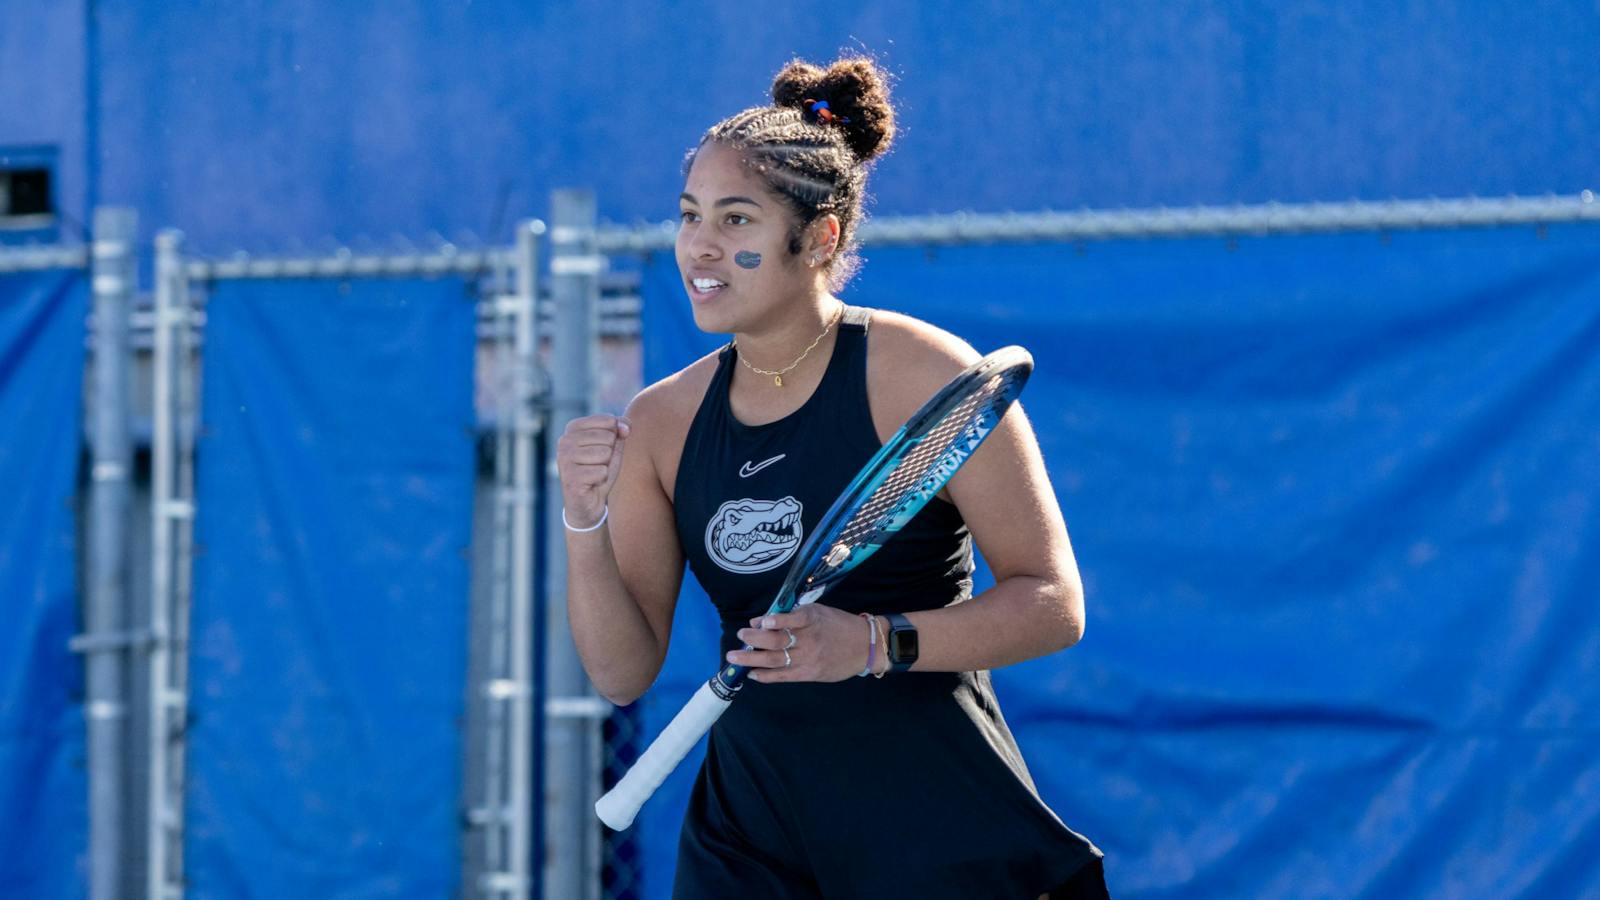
[258, 123]
[44, 104]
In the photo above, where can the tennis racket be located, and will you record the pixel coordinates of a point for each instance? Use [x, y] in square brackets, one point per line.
[892, 488]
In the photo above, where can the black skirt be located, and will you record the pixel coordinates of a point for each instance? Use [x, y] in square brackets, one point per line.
[909, 786]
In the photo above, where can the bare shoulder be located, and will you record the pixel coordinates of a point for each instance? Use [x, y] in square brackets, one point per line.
[908, 360]
[660, 415]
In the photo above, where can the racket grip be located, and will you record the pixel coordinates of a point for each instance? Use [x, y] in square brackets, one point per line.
[620, 804]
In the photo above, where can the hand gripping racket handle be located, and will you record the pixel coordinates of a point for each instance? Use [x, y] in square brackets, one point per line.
[620, 804]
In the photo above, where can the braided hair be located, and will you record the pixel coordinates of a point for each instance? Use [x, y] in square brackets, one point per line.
[813, 147]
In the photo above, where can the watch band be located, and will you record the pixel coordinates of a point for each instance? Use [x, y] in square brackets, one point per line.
[903, 648]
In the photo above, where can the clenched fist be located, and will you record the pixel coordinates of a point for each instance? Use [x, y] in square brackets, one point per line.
[588, 456]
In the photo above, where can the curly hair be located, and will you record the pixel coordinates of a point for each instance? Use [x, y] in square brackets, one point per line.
[814, 145]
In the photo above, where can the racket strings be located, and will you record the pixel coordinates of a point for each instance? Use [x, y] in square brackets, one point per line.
[954, 430]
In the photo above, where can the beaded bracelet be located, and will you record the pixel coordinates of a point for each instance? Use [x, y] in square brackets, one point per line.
[872, 644]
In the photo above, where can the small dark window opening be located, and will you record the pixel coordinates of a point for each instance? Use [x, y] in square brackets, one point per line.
[25, 192]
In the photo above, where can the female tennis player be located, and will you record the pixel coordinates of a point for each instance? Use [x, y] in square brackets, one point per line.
[869, 757]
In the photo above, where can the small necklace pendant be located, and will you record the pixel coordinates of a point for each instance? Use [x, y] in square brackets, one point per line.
[777, 380]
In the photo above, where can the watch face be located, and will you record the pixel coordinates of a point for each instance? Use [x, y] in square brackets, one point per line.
[903, 645]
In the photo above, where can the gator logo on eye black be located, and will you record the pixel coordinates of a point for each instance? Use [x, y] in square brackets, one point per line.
[754, 535]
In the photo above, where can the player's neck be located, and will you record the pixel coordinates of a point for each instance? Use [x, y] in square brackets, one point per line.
[779, 343]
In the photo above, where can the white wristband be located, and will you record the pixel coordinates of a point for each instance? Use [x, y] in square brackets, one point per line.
[604, 511]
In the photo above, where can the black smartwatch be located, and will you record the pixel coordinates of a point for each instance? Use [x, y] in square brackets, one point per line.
[902, 642]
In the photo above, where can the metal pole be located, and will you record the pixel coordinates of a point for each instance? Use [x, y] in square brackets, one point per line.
[166, 509]
[508, 776]
[182, 515]
[571, 710]
[525, 427]
[1254, 220]
[491, 815]
[112, 451]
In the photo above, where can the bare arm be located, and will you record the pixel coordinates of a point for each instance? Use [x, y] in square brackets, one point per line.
[622, 578]
[1036, 604]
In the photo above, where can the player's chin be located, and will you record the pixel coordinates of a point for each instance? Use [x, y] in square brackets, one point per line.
[713, 318]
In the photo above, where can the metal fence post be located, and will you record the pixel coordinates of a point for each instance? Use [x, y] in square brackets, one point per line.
[506, 815]
[572, 712]
[170, 512]
[526, 424]
[104, 640]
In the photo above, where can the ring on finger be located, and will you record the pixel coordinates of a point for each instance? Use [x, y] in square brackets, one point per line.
[792, 640]
[786, 660]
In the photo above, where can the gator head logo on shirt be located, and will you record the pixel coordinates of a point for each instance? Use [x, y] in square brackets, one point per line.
[754, 535]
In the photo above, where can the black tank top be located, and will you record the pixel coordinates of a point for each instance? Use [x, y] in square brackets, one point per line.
[798, 779]
[747, 496]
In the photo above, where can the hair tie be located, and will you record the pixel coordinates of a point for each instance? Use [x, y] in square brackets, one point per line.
[819, 109]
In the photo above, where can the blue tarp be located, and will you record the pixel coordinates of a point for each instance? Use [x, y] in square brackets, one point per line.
[1002, 105]
[1336, 501]
[43, 791]
[334, 491]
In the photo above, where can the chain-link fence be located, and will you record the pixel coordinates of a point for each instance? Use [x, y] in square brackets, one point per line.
[622, 869]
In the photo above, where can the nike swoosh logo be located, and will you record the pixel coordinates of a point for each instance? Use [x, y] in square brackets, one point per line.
[746, 470]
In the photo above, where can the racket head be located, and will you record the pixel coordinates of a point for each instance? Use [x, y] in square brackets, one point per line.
[907, 472]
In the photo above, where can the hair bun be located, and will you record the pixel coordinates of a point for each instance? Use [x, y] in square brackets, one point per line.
[854, 88]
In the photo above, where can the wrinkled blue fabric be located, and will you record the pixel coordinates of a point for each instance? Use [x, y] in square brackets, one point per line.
[334, 494]
[44, 826]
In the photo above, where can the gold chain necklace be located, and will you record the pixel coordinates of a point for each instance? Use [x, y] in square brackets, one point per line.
[777, 377]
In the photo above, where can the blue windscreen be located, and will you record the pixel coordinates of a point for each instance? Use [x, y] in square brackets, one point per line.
[334, 490]
[1336, 502]
[43, 791]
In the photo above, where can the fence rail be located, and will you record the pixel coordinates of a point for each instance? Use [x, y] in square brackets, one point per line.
[33, 259]
[1180, 222]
